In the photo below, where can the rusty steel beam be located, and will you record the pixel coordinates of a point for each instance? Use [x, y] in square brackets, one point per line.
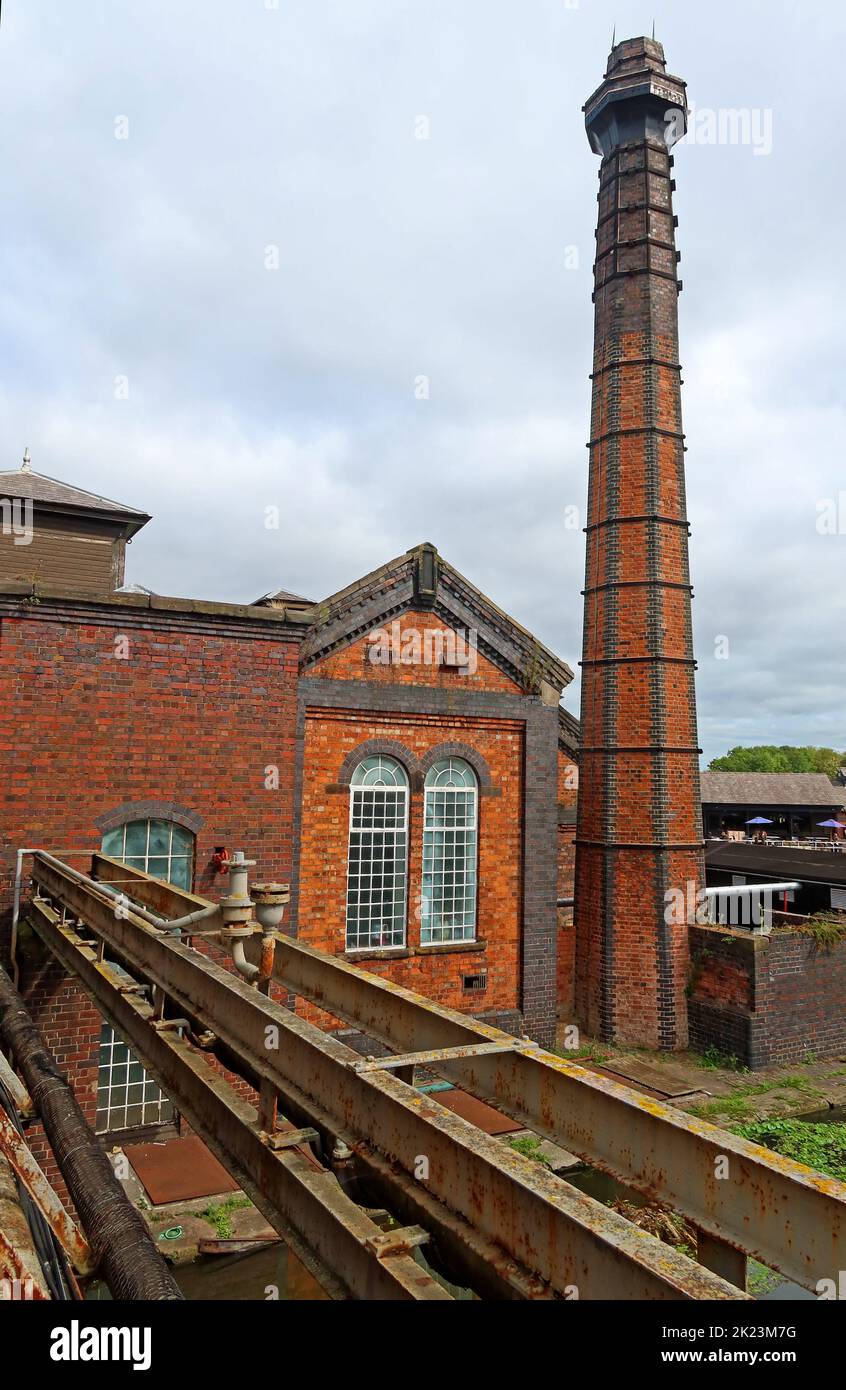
[17, 1090]
[21, 1276]
[302, 1201]
[15, 1150]
[768, 1207]
[780, 1212]
[574, 1245]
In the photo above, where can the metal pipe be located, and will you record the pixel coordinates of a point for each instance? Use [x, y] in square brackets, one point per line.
[163, 923]
[122, 1245]
[742, 890]
[239, 960]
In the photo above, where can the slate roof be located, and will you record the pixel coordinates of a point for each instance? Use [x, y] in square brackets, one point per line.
[770, 789]
[38, 487]
[283, 596]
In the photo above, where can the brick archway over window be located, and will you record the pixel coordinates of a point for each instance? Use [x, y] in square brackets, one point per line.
[149, 810]
[389, 748]
[460, 750]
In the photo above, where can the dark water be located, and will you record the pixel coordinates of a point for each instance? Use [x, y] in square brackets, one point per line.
[273, 1273]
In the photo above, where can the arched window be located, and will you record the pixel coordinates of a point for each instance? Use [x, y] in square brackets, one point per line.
[159, 847]
[378, 854]
[127, 1096]
[450, 823]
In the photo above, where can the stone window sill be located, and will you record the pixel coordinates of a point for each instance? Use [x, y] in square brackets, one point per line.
[448, 947]
[378, 953]
[437, 948]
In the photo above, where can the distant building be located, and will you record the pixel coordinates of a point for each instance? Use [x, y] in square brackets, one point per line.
[54, 534]
[795, 803]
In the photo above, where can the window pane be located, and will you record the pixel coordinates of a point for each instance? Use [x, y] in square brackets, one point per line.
[180, 873]
[136, 837]
[183, 840]
[155, 846]
[113, 843]
[159, 837]
[126, 1094]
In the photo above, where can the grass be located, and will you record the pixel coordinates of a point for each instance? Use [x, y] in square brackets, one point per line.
[798, 1083]
[827, 930]
[759, 1279]
[220, 1216]
[729, 1107]
[588, 1052]
[712, 1059]
[530, 1147]
[820, 1146]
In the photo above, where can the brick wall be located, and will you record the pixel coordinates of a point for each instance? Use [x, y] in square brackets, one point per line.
[70, 1025]
[566, 953]
[768, 1000]
[513, 739]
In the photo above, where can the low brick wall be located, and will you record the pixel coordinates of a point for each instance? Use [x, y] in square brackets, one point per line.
[767, 1000]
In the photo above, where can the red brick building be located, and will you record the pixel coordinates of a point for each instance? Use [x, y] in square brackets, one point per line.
[396, 752]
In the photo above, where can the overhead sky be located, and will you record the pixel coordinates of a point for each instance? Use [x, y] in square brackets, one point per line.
[335, 257]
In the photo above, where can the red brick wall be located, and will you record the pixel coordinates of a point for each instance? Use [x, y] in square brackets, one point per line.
[568, 781]
[70, 1025]
[768, 1000]
[330, 736]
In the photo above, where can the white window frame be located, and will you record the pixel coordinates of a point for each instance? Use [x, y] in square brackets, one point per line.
[365, 925]
[117, 1095]
[461, 925]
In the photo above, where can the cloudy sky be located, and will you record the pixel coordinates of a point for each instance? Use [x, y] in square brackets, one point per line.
[229, 258]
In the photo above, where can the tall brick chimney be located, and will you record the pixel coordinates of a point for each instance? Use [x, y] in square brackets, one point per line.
[639, 820]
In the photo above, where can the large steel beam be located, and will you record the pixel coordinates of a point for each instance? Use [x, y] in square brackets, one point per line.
[576, 1246]
[303, 1201]
[780, 1212]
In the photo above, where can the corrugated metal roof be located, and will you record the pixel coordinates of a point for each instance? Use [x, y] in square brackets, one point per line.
[770, 789]
[778, 862]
